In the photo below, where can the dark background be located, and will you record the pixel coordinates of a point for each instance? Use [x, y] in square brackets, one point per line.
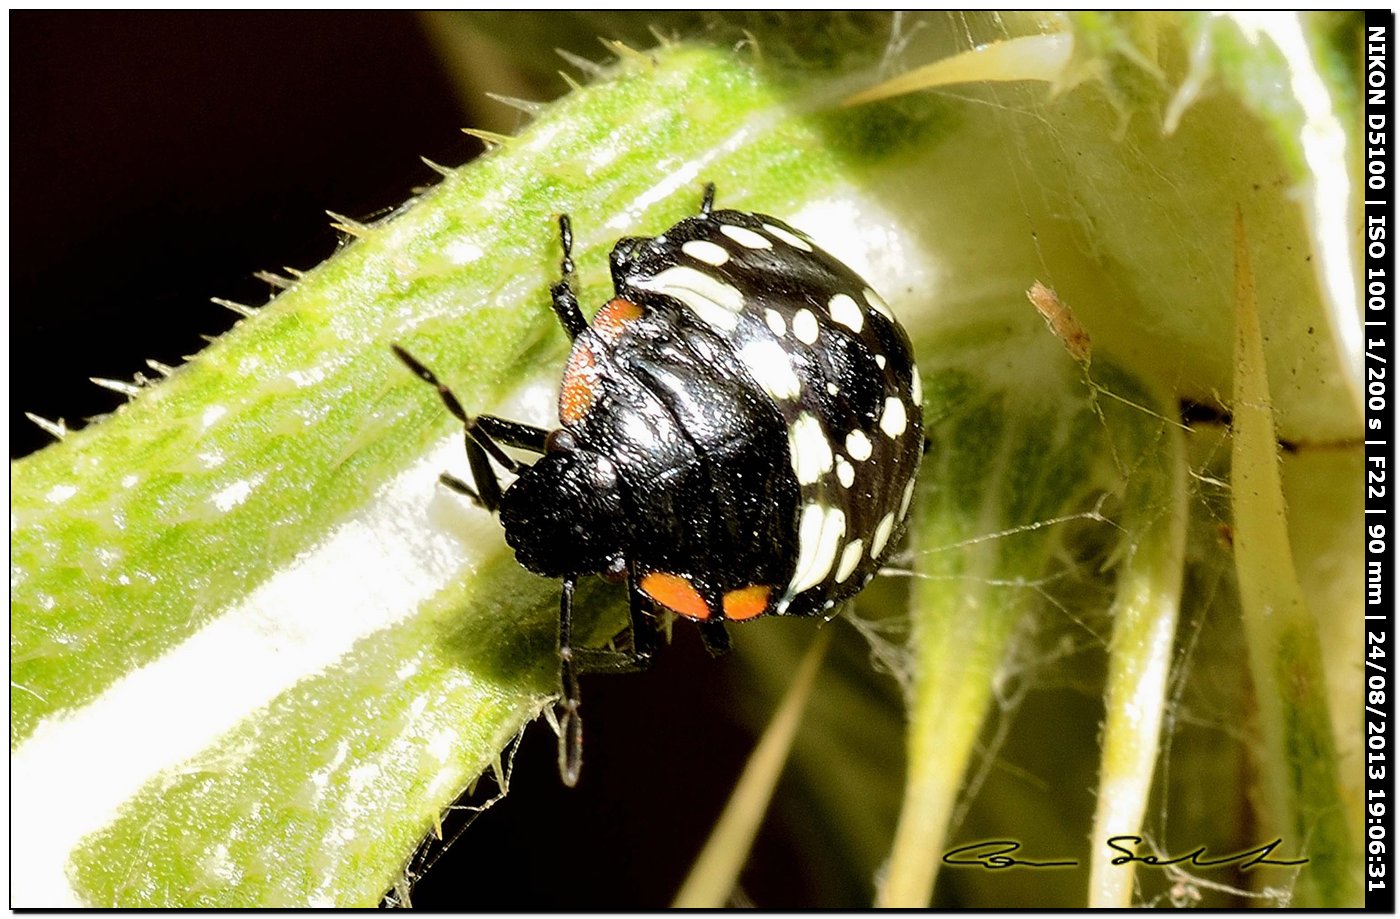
[158, 160]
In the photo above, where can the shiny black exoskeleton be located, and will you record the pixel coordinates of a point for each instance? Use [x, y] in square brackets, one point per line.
[740, 430]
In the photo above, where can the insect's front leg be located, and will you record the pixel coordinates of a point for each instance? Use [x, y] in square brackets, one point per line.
[513, 433]
[476, 441]
[562, 293]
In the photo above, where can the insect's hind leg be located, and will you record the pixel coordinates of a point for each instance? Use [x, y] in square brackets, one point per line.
[642, 634]
[570, 718]
[574, 661]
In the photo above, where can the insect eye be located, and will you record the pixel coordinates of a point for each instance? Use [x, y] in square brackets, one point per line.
[560, 441]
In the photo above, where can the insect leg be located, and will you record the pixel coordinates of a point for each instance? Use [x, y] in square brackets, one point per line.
[573, 661]
[477, 442]
[513, 433]
[562, 293]
[642, 634]
[707, 203]
[462, 488]
[645, 636]
[570, 720]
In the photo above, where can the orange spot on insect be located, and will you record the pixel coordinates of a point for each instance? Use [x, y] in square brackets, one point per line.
[675, 593]
[576, 393]
[613, 316]
[746, 602]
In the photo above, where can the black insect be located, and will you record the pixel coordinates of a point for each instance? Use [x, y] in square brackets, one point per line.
[740, 429]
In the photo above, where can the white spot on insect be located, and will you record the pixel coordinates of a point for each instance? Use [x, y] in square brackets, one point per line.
[804, 326]
[745, 237]
[637, 428]
[850, 557]
[894, 420]
[858, 445]
[60, 493]
[845, 311]
[129, 480]
[908, 496]
[845, 472]
[811, 451]
[797, 242]
[832, 388]
[769, 365]
[916, 388]
[878, 304]
[819, 532]
[882, 535]
[880, 361]
[706, 251]
[775, 322]
[714, 301]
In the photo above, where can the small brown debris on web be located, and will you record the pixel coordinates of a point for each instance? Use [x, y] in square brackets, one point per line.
[1061, 321]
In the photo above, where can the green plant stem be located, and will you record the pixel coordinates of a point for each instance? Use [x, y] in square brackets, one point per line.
[1297, 763]
[1140, 660]
[969, 639]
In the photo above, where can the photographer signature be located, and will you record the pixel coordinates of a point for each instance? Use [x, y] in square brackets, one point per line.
[995, 854]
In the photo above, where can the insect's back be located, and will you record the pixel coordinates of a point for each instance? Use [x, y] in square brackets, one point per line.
[707, 489]
[795, 409]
